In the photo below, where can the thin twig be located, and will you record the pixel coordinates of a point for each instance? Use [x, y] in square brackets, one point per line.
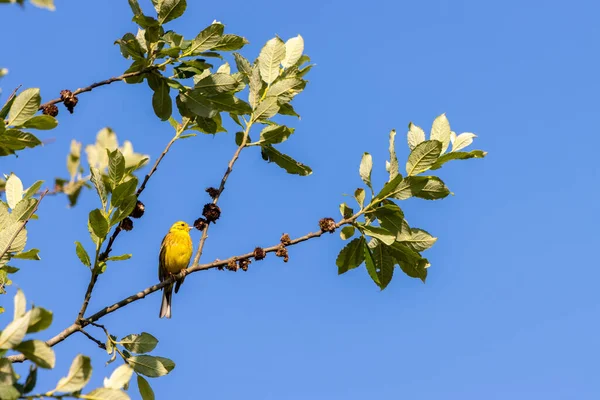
[236, 155]
[194, 268]
[93, 339]
[102, 83]
[22, 225]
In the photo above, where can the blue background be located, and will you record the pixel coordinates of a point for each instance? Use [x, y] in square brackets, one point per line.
[510, 308]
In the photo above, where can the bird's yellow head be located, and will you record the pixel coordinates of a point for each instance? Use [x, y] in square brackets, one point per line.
[180, 226]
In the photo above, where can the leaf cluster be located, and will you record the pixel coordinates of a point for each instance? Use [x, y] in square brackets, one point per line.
[385, 239]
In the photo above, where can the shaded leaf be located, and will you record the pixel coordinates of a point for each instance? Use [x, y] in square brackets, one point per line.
[460, 155]
[161, 101]
[40, 319]
[273, 134]
[216, 83]
[123, 191]
[207, 39]
[384, 264]
[116, 167]
[38, 352]
[382, 234]
[32, 254]
[170, 9]
[82, 254]
[96, 178]
[351, 256]
[370, 264]
[390, 217]
[144, 387]
[33, 189]
[230, 42]
[98, 223]
[347, 232]
[119, 258]
[150, 366]
[284, 161]
[41, 122]
[266, 108]
[418, 239]
[434, 189]
[359, 195]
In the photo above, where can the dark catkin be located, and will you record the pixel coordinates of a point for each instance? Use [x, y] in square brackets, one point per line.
[285, 239]
[327, 225]
[259, 253]
[211, 212]
[50, 110]
[69, 99]
[244, 264]
[126, 224]
[200, 224]
[283, 252]
[212, 192]
[232, 265]
[139, 210]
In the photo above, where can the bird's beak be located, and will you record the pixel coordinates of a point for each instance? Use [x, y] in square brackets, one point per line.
[190, 228]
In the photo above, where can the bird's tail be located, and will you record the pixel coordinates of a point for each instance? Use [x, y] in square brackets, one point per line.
[165, 307]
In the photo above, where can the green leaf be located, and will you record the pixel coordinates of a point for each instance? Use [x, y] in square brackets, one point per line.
[390, 188]
[123, 191]
[440, 131]
[415, 136]
[116, 167]
[144, 387]
[351, 256]
[82, 254]
[392, 166]
[33, 189]
[384, 265]
[273, 134]
[14, 332]
[434, 189]
[14, 190]
[266, 109]
[119, 258]
[105, 394]
[207, 39]
[170, 9]
[40, 319]
[142, 343]
[390, 217]
[242, 64]
[125, 208]
[150, 366]
[161, 101]
[7, 374]
[130, 48]
[230, 42]
[460, 155]
[78, 376]
[370, 264]
[20, 304]
[269, 59]
[347, 232]
[287, 109]
[41, 122]
[8, 392]
[256, 85]
[293, 51]
[284, 161]
[423, 156]
[32, 254]
[462, 141]
[217, 83]
[98, 223]
[366, 165]
[31, 380]
[418, 239]
[7, 234]
[4, 215]
[38, 352]
[96, 178]
[228, 102]
[359, 195]
[409, 187]
[382, 234]
[119, 378]
[22, 211]
[286, 88]
[135, 7]
[346, 211]
[24, 107]
[14, 139]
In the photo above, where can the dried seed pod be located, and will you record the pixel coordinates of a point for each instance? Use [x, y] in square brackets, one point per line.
[259, 253]
[327, 225]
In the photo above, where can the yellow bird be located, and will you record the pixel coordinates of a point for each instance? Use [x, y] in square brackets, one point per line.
[175, 254]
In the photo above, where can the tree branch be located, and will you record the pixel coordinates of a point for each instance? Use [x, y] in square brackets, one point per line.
[102, 83]
[93, 339]
[194, 268]
[22, 225]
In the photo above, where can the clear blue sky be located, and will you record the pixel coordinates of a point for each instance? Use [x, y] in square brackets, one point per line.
[511, 305]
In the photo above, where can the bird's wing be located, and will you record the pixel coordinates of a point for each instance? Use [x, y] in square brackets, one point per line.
[161, 258]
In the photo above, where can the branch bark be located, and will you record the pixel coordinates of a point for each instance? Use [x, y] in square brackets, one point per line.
[194, 268]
